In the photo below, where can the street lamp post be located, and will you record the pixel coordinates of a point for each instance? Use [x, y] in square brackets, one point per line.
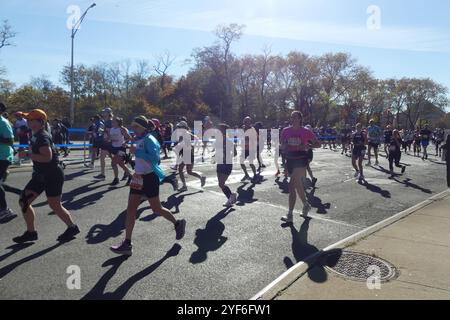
[74, 32]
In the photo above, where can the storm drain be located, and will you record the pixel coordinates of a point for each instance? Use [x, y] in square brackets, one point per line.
[359, 267]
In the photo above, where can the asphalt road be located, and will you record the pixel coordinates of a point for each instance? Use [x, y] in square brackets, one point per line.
[226, 254]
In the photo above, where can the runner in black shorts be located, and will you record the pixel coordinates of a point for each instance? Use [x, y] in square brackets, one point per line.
[296, 141]
[359, 141]
[225, 165]
[146, 181]
[47, 176]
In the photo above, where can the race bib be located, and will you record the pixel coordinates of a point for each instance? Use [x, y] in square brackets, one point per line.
[137, 183]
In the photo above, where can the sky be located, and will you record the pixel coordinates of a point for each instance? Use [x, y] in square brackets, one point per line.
[396, 39]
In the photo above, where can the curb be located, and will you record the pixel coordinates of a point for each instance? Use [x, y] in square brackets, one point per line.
[284, 281]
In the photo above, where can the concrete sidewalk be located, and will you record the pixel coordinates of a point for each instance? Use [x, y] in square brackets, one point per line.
[417, 245]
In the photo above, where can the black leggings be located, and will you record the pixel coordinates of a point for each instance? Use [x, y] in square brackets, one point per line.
[395, 157]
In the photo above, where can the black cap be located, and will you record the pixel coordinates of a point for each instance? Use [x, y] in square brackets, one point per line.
[2, 107]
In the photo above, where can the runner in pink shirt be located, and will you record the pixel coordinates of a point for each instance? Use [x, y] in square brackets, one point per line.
[296, 141]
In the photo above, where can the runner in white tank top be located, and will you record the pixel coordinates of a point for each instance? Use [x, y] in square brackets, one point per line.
[119, 136]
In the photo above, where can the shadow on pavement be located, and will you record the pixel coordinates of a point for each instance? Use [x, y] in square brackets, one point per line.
[9, 268]
[408, 184]
[98, 291]
[302, 251]
[175, 200]
[283, 185]
[246, 196]
[210, 238]
[373, 188]
[316, 202]
[14, 249]
[102, 232]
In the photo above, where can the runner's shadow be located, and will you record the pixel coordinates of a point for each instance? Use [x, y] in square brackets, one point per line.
[301, 250]
[69, 197]
[316, 202]
[11, 267]
[14, 249]
[283, 185]
[210, 239]
[77, 174]
[408, 184]
[438, 162]
[98, 291]
[246, 196]
[373, 188]
[101, 232]
[12, 189]
[175, 200]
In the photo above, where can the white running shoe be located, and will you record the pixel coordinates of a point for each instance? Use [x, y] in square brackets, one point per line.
[289, 218]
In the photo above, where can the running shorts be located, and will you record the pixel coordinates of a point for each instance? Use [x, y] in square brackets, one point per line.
[150, 186]
[224, 169]
[51, 182]
[292, 164]
[359, 152]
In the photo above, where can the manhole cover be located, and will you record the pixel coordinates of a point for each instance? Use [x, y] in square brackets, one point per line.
[359, 267]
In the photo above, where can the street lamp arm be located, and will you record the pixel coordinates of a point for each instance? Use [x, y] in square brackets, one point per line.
[80, 21]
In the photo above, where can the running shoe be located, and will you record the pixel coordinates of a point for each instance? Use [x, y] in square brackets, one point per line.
[403, 169]
[245, 178]
[183, 189]
[7, 213]
[368, 164]
[289, 218]
[180, 229]
[26, 237]
[69, 234]
[203, 181]
[125, 248]
[115, 182]
[356, 175]
[314, 181]
[306, 209]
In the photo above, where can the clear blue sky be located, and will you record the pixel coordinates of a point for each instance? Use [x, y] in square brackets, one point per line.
[413, 39]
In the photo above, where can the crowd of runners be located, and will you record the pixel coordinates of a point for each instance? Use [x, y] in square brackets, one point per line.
[137, 153]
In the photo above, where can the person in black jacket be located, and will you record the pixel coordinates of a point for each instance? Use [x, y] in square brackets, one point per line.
[395, 152]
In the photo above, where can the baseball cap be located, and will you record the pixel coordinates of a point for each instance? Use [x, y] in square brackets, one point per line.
[108, 110]
[36, 114]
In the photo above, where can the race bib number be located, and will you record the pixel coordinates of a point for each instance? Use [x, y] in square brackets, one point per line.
[137, 183]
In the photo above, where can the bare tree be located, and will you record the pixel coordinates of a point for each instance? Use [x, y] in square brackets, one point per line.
[163, 63]
[6, 34]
